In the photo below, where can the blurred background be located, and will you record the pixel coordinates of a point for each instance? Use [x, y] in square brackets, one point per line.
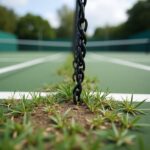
[108, 20]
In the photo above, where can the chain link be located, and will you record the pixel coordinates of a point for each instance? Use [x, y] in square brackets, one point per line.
[80, 50]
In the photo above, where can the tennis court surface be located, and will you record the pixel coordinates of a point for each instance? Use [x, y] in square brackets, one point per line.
[29, 71]
[121, 72]
[116, 72]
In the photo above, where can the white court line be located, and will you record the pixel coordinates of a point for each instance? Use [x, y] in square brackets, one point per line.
[30, 95]
[20, 95]
[136, 97]
[29, 63]
[9, 60]
[15, 60]
[121, 62]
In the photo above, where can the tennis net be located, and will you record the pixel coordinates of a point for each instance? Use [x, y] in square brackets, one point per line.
[141, 45]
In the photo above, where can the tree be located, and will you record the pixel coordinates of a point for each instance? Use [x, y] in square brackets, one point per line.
[102, 33]
[139, 17]
[8, 20]
[110, 32]
[138, 21]
[34, 27]
[66, 18]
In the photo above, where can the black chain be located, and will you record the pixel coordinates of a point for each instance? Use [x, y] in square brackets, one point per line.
[80, 50]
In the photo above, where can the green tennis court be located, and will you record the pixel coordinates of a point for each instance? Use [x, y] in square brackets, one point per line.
[116, 72]
[121, 72]
[33, 77]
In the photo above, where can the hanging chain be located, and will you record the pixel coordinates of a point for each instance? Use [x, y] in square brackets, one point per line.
[80, 50]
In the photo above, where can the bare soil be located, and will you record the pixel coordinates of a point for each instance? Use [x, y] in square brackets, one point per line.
[80, 114]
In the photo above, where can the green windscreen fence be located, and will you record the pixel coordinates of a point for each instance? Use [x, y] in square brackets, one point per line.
[137, 45]
[5, 45]
[128, 45]
[141, 47]
[45, 45]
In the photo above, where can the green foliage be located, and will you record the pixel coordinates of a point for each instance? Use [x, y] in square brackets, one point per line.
[69, 142]
[102, 33]
[129, 123]
[49, 109]
[75, 127]
[97, 122]
[130, 107]
[89, 83]
[2, 116]
[139, 18]
[110, 116]
[91, 103]
[13, 132]
[96, 100]
[138, 21]
[8, 20]
[65, 124]
[111, 32]
[19, 135]
[64, 92]
[120, 137]
[34, 27]
[60, 120]
[66, 17]
[22, 107]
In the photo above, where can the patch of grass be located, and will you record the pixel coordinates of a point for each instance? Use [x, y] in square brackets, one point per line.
[64, 92]
[22, 107]
[97, 122]
[14, 132]
[130, 107]
[91, 102]
[63, 125]
[110, 116]
[75, 127]
[120, 137]
[60, 120]
[97, 101]
[130, 122]
[2, 116]
[50, 109]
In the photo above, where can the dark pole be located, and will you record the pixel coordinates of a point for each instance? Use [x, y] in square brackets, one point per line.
[79, 48]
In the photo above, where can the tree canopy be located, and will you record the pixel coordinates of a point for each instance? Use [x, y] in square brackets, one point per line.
[138, 21]
[8, 20]
[31, 26]
[34, 27]
[66, 17]
[139, 17]
[110, 32]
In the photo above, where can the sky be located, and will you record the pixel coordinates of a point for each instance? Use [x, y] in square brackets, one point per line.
[99, 13]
